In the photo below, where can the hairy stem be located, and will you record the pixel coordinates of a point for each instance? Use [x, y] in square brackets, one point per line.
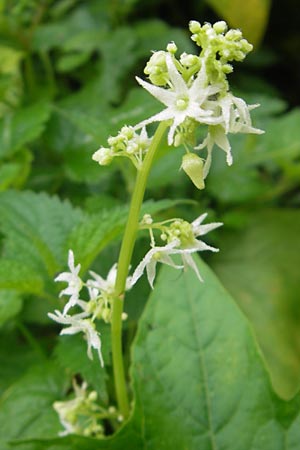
[123, 267]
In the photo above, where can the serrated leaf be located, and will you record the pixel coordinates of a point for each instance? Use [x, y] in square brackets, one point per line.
[96, 231]
[198, 377]
[251, 17]
[36, 227]
[10, 305]
[26, 408]
[259, 264]
[19, 277]
[21, 127]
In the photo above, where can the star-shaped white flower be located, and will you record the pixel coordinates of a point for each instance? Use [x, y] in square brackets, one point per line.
[235, 118]
[106, 286]
[162, 254]
[80, 323]
[73, 280]
[182, 101]
[155, 255]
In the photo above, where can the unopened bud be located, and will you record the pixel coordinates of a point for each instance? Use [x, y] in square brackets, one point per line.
[192, 164]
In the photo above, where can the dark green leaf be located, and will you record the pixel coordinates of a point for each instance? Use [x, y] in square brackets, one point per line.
[10, 305]
[26, 408]
[198, 377]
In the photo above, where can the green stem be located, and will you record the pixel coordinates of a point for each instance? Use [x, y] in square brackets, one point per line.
[123, 267]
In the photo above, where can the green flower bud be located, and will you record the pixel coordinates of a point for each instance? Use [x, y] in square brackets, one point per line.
[103, 156]
[220, 27]
[172, 48]
[192, 164]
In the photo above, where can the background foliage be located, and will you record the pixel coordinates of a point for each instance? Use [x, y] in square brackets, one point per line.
[67, 83]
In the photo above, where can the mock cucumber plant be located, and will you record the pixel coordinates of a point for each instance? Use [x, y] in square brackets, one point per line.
[195, 92]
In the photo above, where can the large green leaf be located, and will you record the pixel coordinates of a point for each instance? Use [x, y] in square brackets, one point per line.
[19, 277]
[36, 227]
[96, 231]
[251, 16]
[198, 378]
[19, 128]
[259, 264]
[10, 305]
[26, 407]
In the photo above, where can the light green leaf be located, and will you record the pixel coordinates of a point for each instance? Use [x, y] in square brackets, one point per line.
[21, 127]
[96, 231]
[198, 378]
[259, 264]
[19, 277]
[251, 16]
[36, 227]
[10, 305]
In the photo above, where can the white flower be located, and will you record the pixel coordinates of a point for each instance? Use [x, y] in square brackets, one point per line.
[80, 323]
[106, 287]
[73, 280]
[182, 101]
[155, 255]
[184, 247]
[234, 114]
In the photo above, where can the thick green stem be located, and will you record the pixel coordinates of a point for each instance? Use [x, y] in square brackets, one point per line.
[123, 267]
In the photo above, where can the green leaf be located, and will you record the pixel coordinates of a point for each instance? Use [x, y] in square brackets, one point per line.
[26, 407]
[71, 354]
[10, 305]
[281, 142]
[259, 264]
[56, 35]
[19, 277]
[22, 127]
[198, 378]
[16, 357]
[251, 17]
[96, 231]
[36, 227]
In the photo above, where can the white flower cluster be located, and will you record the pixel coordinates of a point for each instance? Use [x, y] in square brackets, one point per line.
[195, 91]
[99, 305]
[81, 415]
[181, 239]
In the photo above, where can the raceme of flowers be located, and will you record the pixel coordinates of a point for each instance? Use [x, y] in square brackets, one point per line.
[81, 414]
[195, 91]
[99, 305]
[181, 239]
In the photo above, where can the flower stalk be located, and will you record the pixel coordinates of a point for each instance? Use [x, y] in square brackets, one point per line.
[123, 268]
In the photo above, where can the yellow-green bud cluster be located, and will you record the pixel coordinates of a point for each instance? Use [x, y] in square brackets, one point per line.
[80, 414]
[182, 230]
[156, 69]
[127, 143]
[219, 46]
